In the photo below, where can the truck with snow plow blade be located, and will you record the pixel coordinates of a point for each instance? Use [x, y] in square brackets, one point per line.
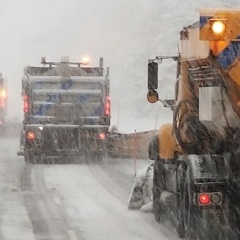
[196, 157]
[3, 103]
[66, 111]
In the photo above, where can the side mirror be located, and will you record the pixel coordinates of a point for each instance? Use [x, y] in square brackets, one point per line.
[152, 96]
[152, 75]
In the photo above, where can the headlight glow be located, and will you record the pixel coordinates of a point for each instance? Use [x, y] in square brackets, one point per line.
[85, 60]
[218, 27]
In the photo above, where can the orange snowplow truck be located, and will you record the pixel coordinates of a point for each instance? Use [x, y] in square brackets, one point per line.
[196, 157]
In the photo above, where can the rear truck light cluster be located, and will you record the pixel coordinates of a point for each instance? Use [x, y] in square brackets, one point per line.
[209, 198]
[32, 138]
[25, 103]
[107, 106]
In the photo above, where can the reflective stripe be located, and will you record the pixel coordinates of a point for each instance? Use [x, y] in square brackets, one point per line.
[204, 20]
[229, 54]
[53, 98]
[82, 99]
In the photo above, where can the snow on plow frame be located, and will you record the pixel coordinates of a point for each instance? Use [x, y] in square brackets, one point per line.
[130, 145]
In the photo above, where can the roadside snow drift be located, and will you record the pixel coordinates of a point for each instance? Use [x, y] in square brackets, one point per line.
[141, 194]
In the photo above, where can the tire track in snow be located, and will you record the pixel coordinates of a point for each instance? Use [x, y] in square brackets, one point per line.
[115, 189]
[46, 216]
[32, 201]
[116, 182]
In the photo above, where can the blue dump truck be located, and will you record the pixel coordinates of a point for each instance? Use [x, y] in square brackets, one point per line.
[66, 112]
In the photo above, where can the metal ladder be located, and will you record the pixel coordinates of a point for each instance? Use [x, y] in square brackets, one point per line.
[204, 75]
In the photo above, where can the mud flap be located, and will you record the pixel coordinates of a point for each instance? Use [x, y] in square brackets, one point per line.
[20, 152]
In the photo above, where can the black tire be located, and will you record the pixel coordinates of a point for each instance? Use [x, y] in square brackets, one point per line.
[153, 148]
[234, 193]
[159, 185]
[186, 114]
[98, 157]
[186, 211]
[156, 205]
[29, 158]
[190, 110]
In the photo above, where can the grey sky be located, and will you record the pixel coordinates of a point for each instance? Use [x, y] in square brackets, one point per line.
[31, 29]
[125, 32]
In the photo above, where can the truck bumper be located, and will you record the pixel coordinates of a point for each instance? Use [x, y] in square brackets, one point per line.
[58, 141]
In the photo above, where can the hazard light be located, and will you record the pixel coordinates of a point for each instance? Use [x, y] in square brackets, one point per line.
[30, 135]
[85, 60]
[218, 26]
[3, 93]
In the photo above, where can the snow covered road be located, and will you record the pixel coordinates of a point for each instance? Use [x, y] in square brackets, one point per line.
[84, 201]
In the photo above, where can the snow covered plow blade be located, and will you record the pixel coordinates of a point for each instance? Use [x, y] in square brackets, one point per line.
[131, 145]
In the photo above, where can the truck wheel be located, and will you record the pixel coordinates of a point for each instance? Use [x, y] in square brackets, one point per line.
[186, 212]
[31, 158]
[28, 158]
[98, 157]
[156, 205]
[153, 148]
[159, 185]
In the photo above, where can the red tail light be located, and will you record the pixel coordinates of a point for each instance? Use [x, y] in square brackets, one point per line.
[30, 135]
[107, 106]
[25, 107]
[25, 97]
[101, 136]
[204, 198]
[25, 103]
